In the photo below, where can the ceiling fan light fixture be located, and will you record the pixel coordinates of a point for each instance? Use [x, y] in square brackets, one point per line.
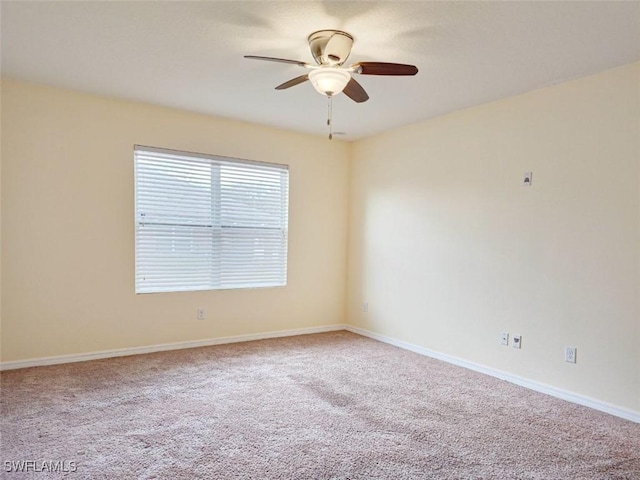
[329, 81]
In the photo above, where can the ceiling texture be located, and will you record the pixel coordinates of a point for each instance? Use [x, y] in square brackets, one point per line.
[189, 55]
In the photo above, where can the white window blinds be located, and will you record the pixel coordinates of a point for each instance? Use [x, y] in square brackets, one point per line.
[205, 222]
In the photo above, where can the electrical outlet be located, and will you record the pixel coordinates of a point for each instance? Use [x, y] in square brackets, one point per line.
[201, 314]
[570, 354]
[365, 307]
[517, 341]
[504, 338]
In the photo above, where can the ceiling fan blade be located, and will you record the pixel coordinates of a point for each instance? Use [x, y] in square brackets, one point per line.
[355, 92]
[279, 60]
[293, 82]
[382, 68]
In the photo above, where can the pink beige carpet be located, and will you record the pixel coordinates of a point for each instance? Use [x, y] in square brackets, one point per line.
[326, 406]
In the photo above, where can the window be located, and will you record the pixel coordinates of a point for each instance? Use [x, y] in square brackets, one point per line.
[206, 222]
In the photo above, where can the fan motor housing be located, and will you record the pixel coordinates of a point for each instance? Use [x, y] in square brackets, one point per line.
[330, 47]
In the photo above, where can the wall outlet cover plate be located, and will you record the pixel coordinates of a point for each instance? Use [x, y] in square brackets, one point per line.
[570, 354]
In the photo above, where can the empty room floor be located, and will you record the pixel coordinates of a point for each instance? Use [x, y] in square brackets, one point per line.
[324, 406]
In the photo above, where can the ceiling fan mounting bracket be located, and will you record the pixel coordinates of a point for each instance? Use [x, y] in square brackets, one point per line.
[330, 47]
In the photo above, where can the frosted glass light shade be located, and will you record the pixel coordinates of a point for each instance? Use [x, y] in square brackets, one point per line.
[329, 81]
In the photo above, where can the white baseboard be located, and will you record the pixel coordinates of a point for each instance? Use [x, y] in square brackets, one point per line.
[625, 413]
[123, 352]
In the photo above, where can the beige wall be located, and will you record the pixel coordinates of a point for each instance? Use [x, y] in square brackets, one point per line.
[444, 243]
[449, 248]
[68, 226]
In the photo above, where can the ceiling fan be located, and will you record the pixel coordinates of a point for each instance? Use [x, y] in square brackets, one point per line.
[330, 49]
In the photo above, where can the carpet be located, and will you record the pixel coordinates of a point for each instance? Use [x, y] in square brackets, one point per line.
[326, 406]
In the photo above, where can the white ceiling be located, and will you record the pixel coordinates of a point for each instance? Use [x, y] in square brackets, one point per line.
[189, 55]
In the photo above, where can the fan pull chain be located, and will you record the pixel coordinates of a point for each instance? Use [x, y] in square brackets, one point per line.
[330, 117]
